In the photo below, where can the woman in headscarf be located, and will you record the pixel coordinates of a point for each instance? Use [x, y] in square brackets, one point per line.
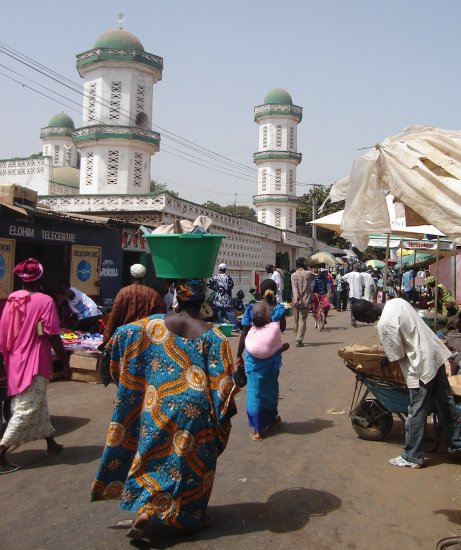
[29, 328]
[172, 414]
[444, 296]
[262, 375]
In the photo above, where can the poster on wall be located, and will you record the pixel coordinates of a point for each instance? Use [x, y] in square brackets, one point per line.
[132, 239]
[7, 250]
[85, 269]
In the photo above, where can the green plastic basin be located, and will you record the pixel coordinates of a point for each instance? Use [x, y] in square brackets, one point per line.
[184, 256]
[226, 329]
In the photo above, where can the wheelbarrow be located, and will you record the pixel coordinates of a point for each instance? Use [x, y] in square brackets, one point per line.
[374, 403]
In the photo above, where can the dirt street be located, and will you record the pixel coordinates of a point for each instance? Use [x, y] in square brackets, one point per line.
[311, 485]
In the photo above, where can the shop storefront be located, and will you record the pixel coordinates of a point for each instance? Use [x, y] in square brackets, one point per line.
[87, 253]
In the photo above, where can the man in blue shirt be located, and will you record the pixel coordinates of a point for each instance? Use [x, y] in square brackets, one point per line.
[408, 285]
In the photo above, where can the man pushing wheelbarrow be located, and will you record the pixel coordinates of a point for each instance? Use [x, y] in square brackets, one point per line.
[421, 355]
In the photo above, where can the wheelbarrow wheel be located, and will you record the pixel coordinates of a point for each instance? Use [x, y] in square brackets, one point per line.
[371, 421]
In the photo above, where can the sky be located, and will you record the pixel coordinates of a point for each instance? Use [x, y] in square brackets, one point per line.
[361, 70]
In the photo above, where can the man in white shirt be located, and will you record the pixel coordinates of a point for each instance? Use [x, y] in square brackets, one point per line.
[356, 287]
[82, 307]
[407, 339]
[275, 276]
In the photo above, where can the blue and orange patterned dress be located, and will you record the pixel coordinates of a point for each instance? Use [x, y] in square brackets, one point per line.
[170, 422]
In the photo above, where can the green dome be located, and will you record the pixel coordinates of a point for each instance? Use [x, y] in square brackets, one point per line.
[118, 39]
[66, 176]
[61, 120]
[278, 96]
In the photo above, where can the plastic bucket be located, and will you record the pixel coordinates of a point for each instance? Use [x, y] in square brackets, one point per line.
[226, 329]
[184, 256]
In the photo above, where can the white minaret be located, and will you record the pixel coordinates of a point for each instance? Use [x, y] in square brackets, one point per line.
[116, 141]
[276, 202]
[58, 143]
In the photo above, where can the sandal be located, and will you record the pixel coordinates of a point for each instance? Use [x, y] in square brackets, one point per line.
[256, 437]
[136, 531]
[9, 468]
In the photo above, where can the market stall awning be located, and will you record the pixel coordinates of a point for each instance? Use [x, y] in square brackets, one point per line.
[421, 168]
[398, 225]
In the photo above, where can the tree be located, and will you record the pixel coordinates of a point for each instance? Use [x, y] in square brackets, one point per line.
[313, 199]
[239, 211]
[157, 187]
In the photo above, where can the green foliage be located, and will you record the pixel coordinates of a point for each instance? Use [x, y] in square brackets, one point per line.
[244, 212]
[156, 187]
[315, 197]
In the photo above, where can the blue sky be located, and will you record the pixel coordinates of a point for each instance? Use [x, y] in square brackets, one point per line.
[361, 69]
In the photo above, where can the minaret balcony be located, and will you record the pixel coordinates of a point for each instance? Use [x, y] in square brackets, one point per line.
[102, 131]
[270, 109]
[259, 200]
[121, 54]
[55, 131]
[290, 156]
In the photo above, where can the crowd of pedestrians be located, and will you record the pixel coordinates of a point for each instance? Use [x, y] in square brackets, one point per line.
[176, 379]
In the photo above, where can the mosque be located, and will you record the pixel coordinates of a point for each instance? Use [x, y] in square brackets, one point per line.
[103, 167]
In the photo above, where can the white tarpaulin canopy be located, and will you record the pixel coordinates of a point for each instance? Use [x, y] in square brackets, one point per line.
[421, 168]
[396, 215]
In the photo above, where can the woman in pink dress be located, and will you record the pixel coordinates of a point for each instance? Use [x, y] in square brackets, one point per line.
[29, 328]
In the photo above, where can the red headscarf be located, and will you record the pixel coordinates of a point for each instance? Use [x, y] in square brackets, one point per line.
[29, 270]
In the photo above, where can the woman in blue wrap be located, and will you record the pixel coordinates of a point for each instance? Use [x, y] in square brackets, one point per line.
[262, 374]
[171, 419]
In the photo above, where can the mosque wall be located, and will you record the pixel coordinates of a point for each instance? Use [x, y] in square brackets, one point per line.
[30, 173]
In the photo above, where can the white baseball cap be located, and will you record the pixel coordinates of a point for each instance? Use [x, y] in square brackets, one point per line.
[222, 266]
[138, 271]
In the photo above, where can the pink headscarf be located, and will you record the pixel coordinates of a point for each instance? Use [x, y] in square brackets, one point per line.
[29, 270]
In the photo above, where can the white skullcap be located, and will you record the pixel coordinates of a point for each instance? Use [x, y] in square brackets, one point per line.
[222, 266]
[138, 271]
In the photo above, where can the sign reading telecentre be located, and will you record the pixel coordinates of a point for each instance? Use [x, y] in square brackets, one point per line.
[43, 234]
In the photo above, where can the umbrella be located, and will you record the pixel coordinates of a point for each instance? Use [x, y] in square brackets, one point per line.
[390, 261]
[350, 254]
[404, 252]
[375, 263]
[417, 259]
[323, 258]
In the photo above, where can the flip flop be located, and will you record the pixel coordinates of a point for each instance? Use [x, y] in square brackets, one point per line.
[9, 468]
[256, 437]
[136, 533]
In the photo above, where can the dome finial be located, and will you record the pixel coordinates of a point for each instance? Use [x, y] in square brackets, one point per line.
[120, 20]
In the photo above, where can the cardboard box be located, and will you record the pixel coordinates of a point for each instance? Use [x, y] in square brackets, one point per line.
[85, 367]
[16, 195]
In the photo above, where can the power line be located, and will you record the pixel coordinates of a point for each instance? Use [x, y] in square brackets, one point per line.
[228, 164]
[43, 70]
